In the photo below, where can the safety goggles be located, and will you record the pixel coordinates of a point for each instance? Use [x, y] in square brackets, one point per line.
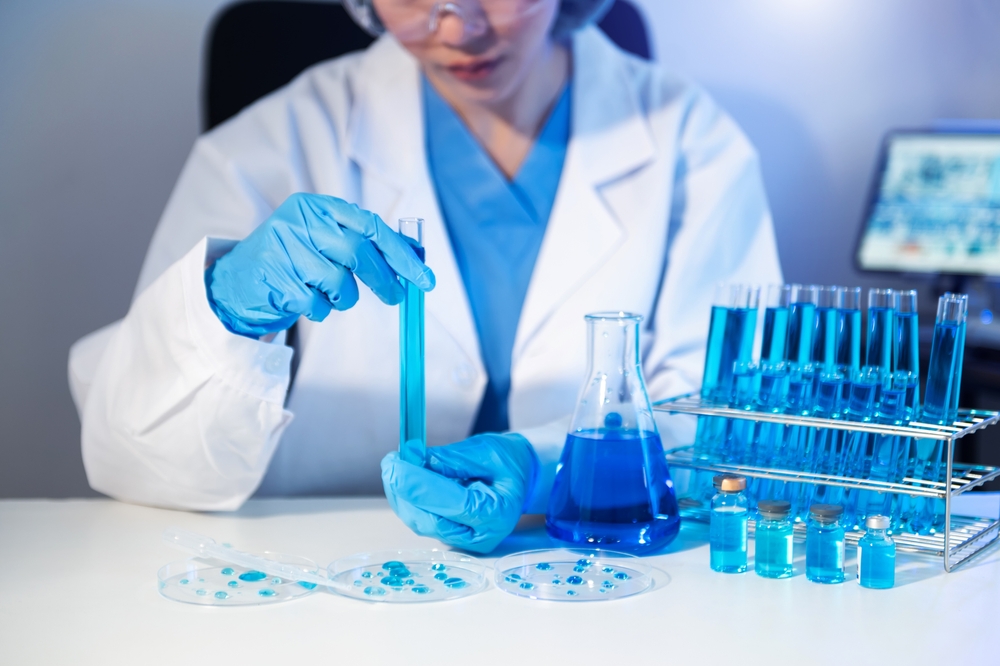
[416, 20]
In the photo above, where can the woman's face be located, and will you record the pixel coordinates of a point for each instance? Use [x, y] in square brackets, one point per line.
[479, 51]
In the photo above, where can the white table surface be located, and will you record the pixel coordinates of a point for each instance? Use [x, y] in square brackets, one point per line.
[78, 586]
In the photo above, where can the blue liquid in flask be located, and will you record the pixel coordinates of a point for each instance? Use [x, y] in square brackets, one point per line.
[613, 489]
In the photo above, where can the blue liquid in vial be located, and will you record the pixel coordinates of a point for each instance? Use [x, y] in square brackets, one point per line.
[772, 346]
[412, 407]
[942, 372]
[727, 539]
[613, 489]
[876, 560]
[825, 553]
[773, 548]
[801, 322]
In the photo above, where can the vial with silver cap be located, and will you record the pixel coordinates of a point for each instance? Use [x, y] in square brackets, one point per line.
[727, 533]
[877, 555]
[825, 544]
[773, 539]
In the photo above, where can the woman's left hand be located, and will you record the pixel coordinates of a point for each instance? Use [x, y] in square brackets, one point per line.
[469, 495]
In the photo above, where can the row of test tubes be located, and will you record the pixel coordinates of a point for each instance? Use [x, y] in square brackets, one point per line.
[810, 363]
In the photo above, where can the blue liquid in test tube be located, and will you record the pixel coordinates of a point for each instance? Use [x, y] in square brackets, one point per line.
[412, 390]
[857, 458]
[906, 352]
[881, 331]
[801, 323]
[775, 336]
[828, 328]
[830, 443]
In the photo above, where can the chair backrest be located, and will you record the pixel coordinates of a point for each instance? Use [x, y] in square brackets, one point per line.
[255, 47]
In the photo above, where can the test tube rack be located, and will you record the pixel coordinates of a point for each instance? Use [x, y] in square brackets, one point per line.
[963, 537]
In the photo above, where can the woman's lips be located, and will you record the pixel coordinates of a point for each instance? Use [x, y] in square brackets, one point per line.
[474, 71]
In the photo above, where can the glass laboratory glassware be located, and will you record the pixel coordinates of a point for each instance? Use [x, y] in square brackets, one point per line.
[828, 327]
[858, 454]
[801, 322]
[746, 386]
[796, 450]
[412, 390]
[944, 371]
[829, 449]
[825, 544]
[906, 352]
[881, 327]
[772, 346]
[766, 446]
[877, 555]
[849, 346]
[888, 452]
[727, 531]
[612, 487]
[773, 539]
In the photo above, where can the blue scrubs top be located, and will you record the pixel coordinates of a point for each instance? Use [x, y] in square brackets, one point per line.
[496, 227]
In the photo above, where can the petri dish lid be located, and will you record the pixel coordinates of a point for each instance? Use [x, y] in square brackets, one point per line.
[407, 576]
[572, 574]
[209, 582]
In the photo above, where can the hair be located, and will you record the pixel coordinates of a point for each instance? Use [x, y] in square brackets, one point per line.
[573, 15]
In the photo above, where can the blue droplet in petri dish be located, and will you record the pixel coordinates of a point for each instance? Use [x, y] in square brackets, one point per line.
[579, 569]
[275, 581]
[366, 574]
[221, 595]
[392, 581]
[253, 576]
[441, 576]
[307, 585]
[183, 581]
[621, 575]
[228, 571]
[373, 591]
[608, 584]
[556, 581]
[420, 589]
[583, 563]
[543, 566]
[603, 590]
[400, 573]
[607, 570]
[393, 564]
[358, 583]
[527, 586]
[438, 567]
[233, 583]
[571, 593]
[574, 580]
[267, 592]
[201, 593]
[455, 583]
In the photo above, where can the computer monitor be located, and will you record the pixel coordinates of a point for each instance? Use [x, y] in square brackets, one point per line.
[934, 206]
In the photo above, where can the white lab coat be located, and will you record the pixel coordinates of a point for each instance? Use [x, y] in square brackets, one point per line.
[660, 198]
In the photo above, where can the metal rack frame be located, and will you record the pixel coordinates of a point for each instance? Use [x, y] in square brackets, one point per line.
[963, 537]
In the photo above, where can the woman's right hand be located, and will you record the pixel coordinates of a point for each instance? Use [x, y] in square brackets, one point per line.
[302, 261]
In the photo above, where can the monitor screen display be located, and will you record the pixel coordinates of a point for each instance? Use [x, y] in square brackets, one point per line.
[935, 206]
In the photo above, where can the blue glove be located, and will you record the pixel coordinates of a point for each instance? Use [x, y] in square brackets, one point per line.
[302, 261]
[470, 494]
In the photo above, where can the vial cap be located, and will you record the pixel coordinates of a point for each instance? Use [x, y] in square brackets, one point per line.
[730, 483]
[877, 522]
[772, 509]
[826, 513]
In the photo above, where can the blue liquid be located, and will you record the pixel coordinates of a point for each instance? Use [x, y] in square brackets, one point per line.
[880, 338]
[613, 488]
[773, 548]
[420, 589]
[455, 583]
[730, 339]
[543, 566]
[371, 591]
[876, 561]
[727, 539]
[858, 456]
[941, 373]
[907, 350]
[228, 571]
[438, 567]
[366, 574]
[441, 576]
[957, 379]
[746, 387]
[828, 447]
[574, 580]
[267, 593]
[233, 583]
[825, 553]
[412, 396]
[221, 595]
[824, 351]
[801, 322]
[849, 345]
[621, 575]
[253, 576]
[312, 586]
[772, 346]
[768, 437]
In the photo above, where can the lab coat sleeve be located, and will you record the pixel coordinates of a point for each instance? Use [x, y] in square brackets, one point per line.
[180, 412]
[720, 230]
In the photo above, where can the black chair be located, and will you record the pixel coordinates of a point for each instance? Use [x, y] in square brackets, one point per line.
[258, 46]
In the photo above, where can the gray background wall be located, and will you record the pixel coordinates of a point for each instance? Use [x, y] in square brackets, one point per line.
[99, 107]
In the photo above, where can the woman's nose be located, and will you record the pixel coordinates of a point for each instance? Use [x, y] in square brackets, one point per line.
[456, 24]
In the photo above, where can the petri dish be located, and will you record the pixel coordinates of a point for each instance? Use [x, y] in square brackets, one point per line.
[572, 574]
[209, 582]
[408, 576]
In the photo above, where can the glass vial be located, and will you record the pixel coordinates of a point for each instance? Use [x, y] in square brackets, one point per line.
[877, 555]
[825, 544]
[773, 539]
[612, 487]
[727, 533]
[412, 389]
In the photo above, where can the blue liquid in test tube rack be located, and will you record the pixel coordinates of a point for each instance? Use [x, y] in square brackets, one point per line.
[857, 457]
[412, 390]
[906, 352]
[828, 328]
[775, 336]
[801, 323]
[881, 331]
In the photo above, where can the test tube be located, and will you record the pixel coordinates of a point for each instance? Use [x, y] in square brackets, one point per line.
[828, 323]
[772, 346]
[944, 373]
[801, 322]
[881, 316]
[412, 390]
[906, 352]
[730, 338]
[849, 345]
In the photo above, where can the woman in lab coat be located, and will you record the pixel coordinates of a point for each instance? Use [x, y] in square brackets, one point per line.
[557, 176]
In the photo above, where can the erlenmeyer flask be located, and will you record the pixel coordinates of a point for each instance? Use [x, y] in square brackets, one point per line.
[612, 487]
